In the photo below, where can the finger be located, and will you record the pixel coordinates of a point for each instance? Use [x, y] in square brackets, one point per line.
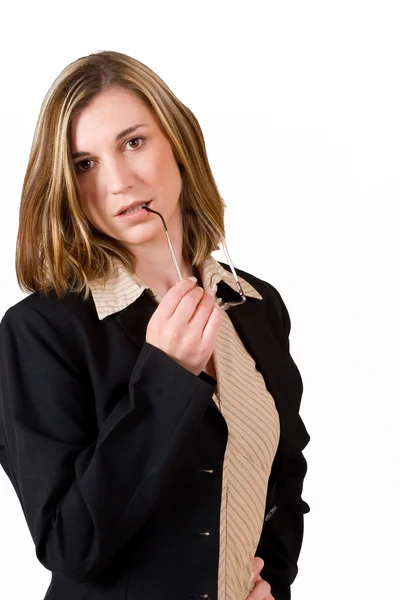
[187, 307]
[261, 591]
[258, 579]
[202, 314]
[211, 329]
[173, 297]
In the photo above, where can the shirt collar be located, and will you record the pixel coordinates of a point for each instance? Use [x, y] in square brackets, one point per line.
[123, 288]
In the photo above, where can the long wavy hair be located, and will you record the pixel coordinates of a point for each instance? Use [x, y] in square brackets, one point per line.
[58, 248]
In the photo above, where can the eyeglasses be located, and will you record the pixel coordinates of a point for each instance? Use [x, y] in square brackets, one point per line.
[218, 301]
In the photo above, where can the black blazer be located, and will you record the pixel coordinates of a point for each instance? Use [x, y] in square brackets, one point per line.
[108, 443]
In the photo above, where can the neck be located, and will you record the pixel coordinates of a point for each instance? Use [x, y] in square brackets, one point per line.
[154, 263]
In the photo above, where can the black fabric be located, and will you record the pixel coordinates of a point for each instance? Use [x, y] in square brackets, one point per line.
[106, 440]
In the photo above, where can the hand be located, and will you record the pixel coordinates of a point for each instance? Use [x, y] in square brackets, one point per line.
[185, 325]
[262, 589]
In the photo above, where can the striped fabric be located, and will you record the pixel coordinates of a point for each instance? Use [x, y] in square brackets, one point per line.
[253, 427]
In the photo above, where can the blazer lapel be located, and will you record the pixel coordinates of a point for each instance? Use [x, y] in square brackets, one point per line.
[135, 317]
[281, 379]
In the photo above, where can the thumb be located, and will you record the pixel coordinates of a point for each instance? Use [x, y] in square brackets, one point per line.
[258, 564]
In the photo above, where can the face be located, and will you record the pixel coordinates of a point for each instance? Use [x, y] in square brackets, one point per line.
[116, 167]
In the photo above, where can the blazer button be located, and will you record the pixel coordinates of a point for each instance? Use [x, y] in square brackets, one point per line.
[271, 513]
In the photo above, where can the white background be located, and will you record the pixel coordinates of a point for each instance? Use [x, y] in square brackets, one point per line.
[299, 104]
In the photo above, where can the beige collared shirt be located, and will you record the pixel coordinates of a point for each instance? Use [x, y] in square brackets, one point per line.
[252, 419]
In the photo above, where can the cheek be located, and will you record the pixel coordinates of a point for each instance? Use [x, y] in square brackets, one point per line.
[90, 212]
[162, 167]
[151, 171]
[90, 205]
[96, 217]
[168, 178]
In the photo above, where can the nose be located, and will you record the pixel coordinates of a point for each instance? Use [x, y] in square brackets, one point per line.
[118, 175]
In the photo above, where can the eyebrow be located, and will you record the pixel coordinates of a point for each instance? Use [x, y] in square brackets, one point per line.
[117, 138]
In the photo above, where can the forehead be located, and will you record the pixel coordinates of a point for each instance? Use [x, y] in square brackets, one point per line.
[109, 112]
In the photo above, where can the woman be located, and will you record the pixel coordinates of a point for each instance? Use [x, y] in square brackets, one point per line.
[149, 426]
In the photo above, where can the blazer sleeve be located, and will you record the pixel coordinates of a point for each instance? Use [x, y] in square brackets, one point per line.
[86, 489]
[282, 536]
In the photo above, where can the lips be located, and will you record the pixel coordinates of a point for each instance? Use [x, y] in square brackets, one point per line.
[132, 205]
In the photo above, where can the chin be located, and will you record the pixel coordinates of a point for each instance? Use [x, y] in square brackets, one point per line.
[141, 235]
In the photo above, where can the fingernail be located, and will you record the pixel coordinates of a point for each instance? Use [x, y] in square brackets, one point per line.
[252, 576]
[193, 278]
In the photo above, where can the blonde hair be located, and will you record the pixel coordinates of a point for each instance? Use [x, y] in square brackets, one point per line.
[57, 246]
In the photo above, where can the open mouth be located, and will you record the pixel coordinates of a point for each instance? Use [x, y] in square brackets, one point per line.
[136, 209]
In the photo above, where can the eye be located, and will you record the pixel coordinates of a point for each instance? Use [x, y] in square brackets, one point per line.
[135, 139]
[79, 166]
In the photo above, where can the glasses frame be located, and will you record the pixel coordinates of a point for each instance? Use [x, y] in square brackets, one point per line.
[223, 305]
